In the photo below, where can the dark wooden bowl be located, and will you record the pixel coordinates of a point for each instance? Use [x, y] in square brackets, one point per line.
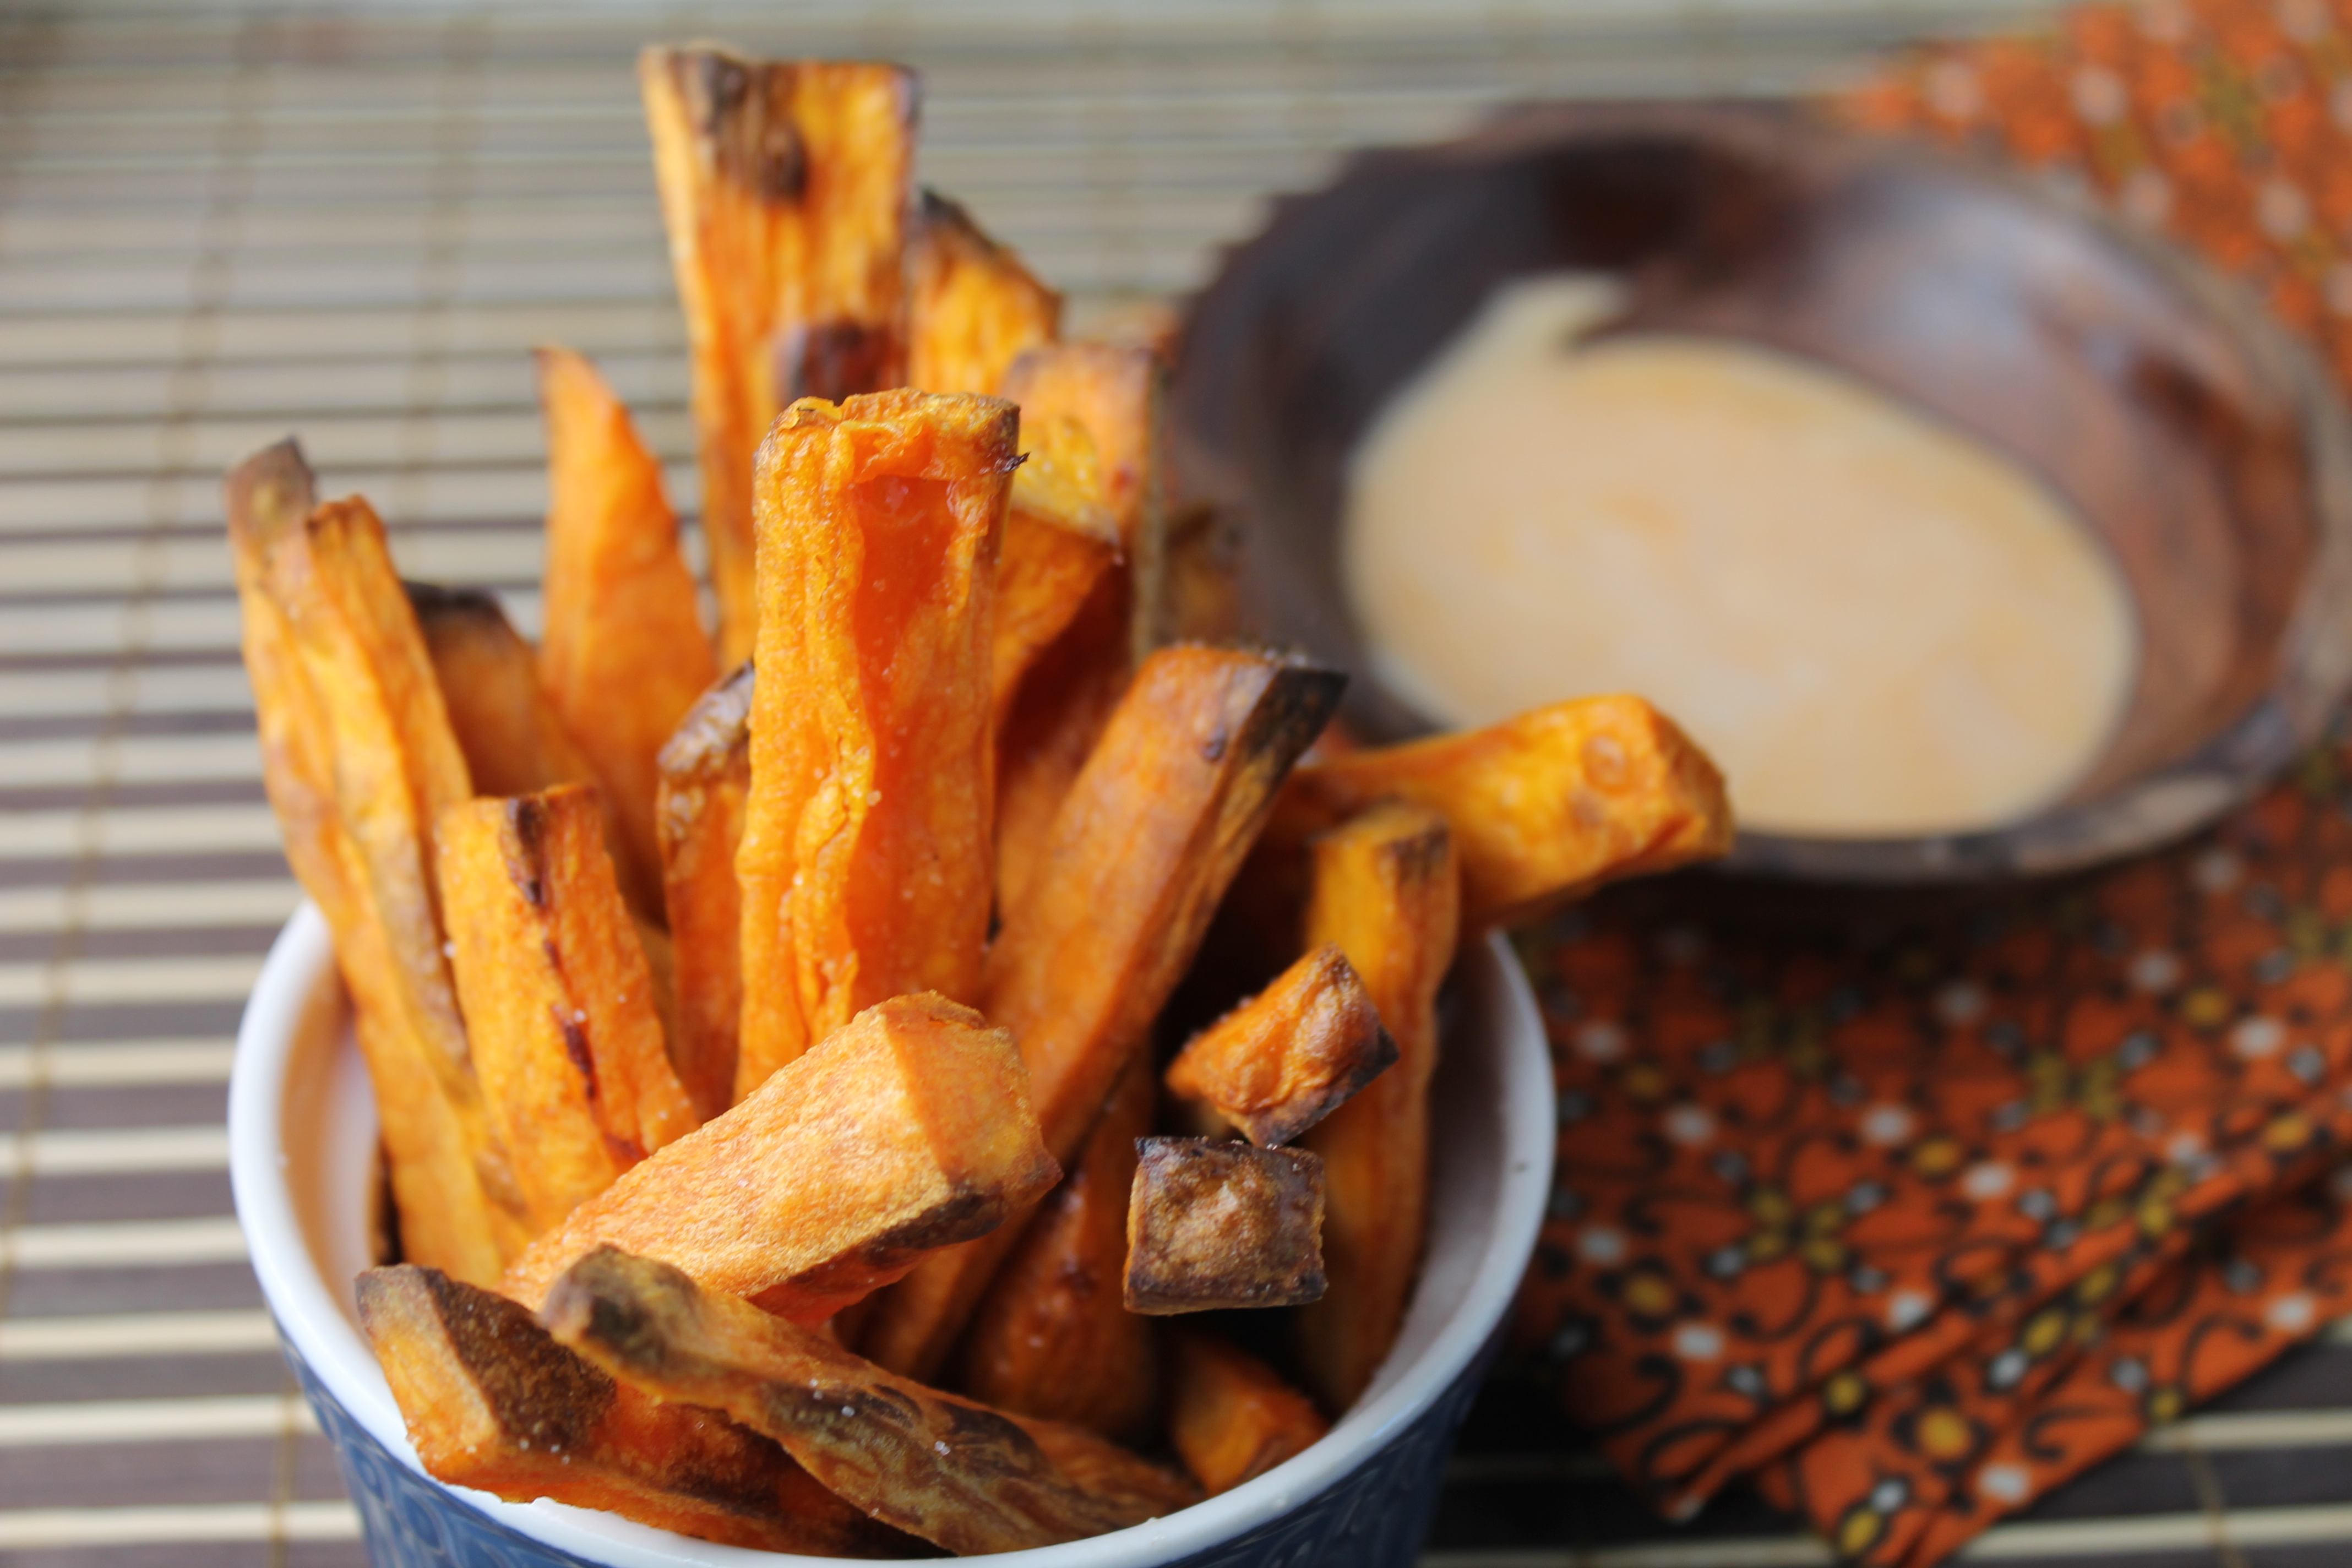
[2198, 438]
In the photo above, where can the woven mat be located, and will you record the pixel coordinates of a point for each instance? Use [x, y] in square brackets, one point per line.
[217, 226]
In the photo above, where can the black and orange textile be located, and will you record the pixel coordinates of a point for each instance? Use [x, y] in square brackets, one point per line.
[1908, 1226]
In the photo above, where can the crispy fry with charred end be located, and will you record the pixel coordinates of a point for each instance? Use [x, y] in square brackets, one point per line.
[706, 776]
[359, 759]
[1054, 1339]
[971, 306]
[557, 995]
[1216, 1224]
[1091, 411]
[956, 1473]
[865, 863]
[783, 186]
[623, 654]
[1385, 890]
[909, 1130]
[1230, 1417]
[1140, 853]
[1544, 807]
[1287, 1058]
[493, 1403]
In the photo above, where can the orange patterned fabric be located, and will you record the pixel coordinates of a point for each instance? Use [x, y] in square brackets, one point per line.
[1910, 1225]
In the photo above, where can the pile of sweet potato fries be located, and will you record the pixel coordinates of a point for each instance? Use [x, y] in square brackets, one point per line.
[775, 1070]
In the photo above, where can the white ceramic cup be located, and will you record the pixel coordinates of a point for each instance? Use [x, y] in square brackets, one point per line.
[302, 1141]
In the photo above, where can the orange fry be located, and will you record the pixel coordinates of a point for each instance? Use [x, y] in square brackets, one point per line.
[623, 656]
[783, 186]
[514, 740]
[706, 776]
[492, 1402]
[972, 307]
[1229, 1417]
[1544, 807]
[1384, 890]
[557, 995]
[1291, 1056]
[1090, 414]
[359, 759]
[1143, 848]
[909, 1130]
[1052, 1339]
[865, 861]
[956, 1473]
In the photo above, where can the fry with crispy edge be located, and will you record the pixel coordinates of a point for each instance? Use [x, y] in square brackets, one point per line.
[1385, 890]
[1288, 1056]
[623, 654]
[706, 776]
[1544, 807]
[909, 1130]
[1213, 1223]
[959, 1473]
[865, 861]
[971, 306]
[1092, 410]
[558, 996]
[493, 1403]
[1230, 1417]
[1143, 848]
[783, 187]
[1052, 1339]
[359, 761]
[1060, 543]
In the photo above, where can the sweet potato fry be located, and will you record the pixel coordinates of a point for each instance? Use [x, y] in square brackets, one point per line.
[512, 740]
[1140, 853]
[971, 306]
[359, 758]
[864, 862]
[1288, 1056]
[908, 1130]
[1384, 890]
[557, 995]
[706, 776]
[623, 654]
[1230, 1417]
[783, 186]
[954, 1472]
[1544, 807]
[1093, 411]
[1052, 1339]
[1216, 1224]
[1060, 542]
[495, 1403]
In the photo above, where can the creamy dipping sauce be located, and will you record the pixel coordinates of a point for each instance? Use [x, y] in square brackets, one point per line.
[1876, 624]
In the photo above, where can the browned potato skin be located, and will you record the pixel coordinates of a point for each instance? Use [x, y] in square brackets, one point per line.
[872, 753]
[1094, 412]
[784, 189]
[909, 1130]
[1054, 1339]
[493, 1403]
[558, 995]
[1142, 849]
[1544, 807]
[1385, 890]
[1215, 1224]
[706, 778]
[623, 654]
[1230, 1417]
[1291, 1055]
[956, 1473]
[972, 307]
[359, 759]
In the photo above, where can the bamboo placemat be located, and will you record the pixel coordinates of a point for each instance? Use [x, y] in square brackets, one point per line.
[219, 225]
